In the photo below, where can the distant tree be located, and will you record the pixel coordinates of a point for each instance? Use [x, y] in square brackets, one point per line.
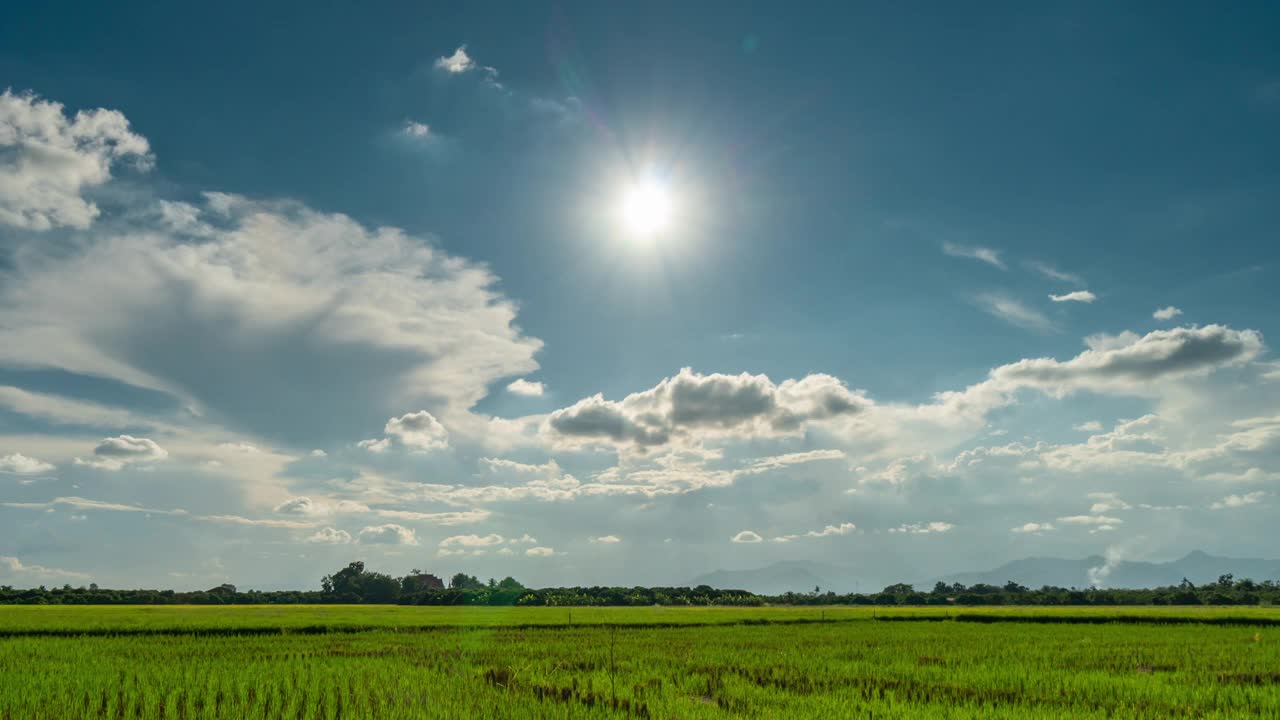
[463, 581]
[346, 580]
[899, 589]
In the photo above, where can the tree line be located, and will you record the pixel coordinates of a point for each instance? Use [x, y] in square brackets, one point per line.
[354, 584]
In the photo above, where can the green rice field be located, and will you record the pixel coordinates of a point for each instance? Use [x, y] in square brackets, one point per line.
[794, 662]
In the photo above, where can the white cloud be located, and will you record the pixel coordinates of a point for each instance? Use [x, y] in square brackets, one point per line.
[1034, 528]
[416, 129]
[1092, 426]
[240, 447]
[828, 531]
[284, 295]
[20, 464]
[255, 522]
[389, 534]
[1055, 274]
[79, 503]
[458, 62]
[1123, 364]
[419, 431]
[525, 388]
[66, 411]
[923, 528]
[318, 454]
[986, 255]
[471, 541]
[1166, 313]
[12, 566]
[778, 462]
[375, 446]
[607, 539]
[301, 506]
[1095, 523]
[691, 404]
[1105, 502]
[330, 536]
[1083, 296]
[1238, 501]
[1014, 312]
[747, 536]
[447, 519]
[540, 552]
[48, 160]
[118, 452]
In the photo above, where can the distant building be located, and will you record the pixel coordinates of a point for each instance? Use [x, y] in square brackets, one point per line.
[422, 581]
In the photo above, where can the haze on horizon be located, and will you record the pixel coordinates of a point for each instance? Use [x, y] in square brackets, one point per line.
[582, 295]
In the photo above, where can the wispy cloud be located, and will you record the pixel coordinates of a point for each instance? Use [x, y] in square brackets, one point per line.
[1083, 296]
[974, 252]
[1014, 312]
[1053, 273]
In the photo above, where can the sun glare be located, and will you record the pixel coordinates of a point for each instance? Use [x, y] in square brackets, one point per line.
[646, 209]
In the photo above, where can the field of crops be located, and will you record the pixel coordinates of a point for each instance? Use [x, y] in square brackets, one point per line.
[389, 662]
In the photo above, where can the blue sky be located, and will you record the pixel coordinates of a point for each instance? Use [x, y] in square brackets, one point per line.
[266, 277]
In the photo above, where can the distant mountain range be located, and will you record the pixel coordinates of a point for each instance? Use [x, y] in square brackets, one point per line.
[1198, 567]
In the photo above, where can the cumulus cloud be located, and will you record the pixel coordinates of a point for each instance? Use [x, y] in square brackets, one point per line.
[1083, 296]
[1033, 528]
[12, 566]
[1088, 426]
[973, 252]
[1166, 313]
[1126, 364]
[607, 539]
[692, 404]
[375, 445]
[301, 506]
[1095, 523]
[331, 325]
[480, 544]
[416, 129]
[747, 536]
[828, 531]
[540, 552]
[419, 431]
[923, 528]
[1014, 312]
[330, 536]
[20, 464]
[1105, 502]
[1159, 354]
[525, 387]
[117, 452]
[48, 160]
[389, 534]
[1238, 501]
[458, 62]
[471, 541]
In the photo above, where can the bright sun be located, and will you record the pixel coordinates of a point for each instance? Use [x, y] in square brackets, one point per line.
[646, 209]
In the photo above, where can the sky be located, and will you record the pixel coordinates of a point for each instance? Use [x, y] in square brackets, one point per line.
[624, 293]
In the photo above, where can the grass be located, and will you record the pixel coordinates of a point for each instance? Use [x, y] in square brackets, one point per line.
[634, 662]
